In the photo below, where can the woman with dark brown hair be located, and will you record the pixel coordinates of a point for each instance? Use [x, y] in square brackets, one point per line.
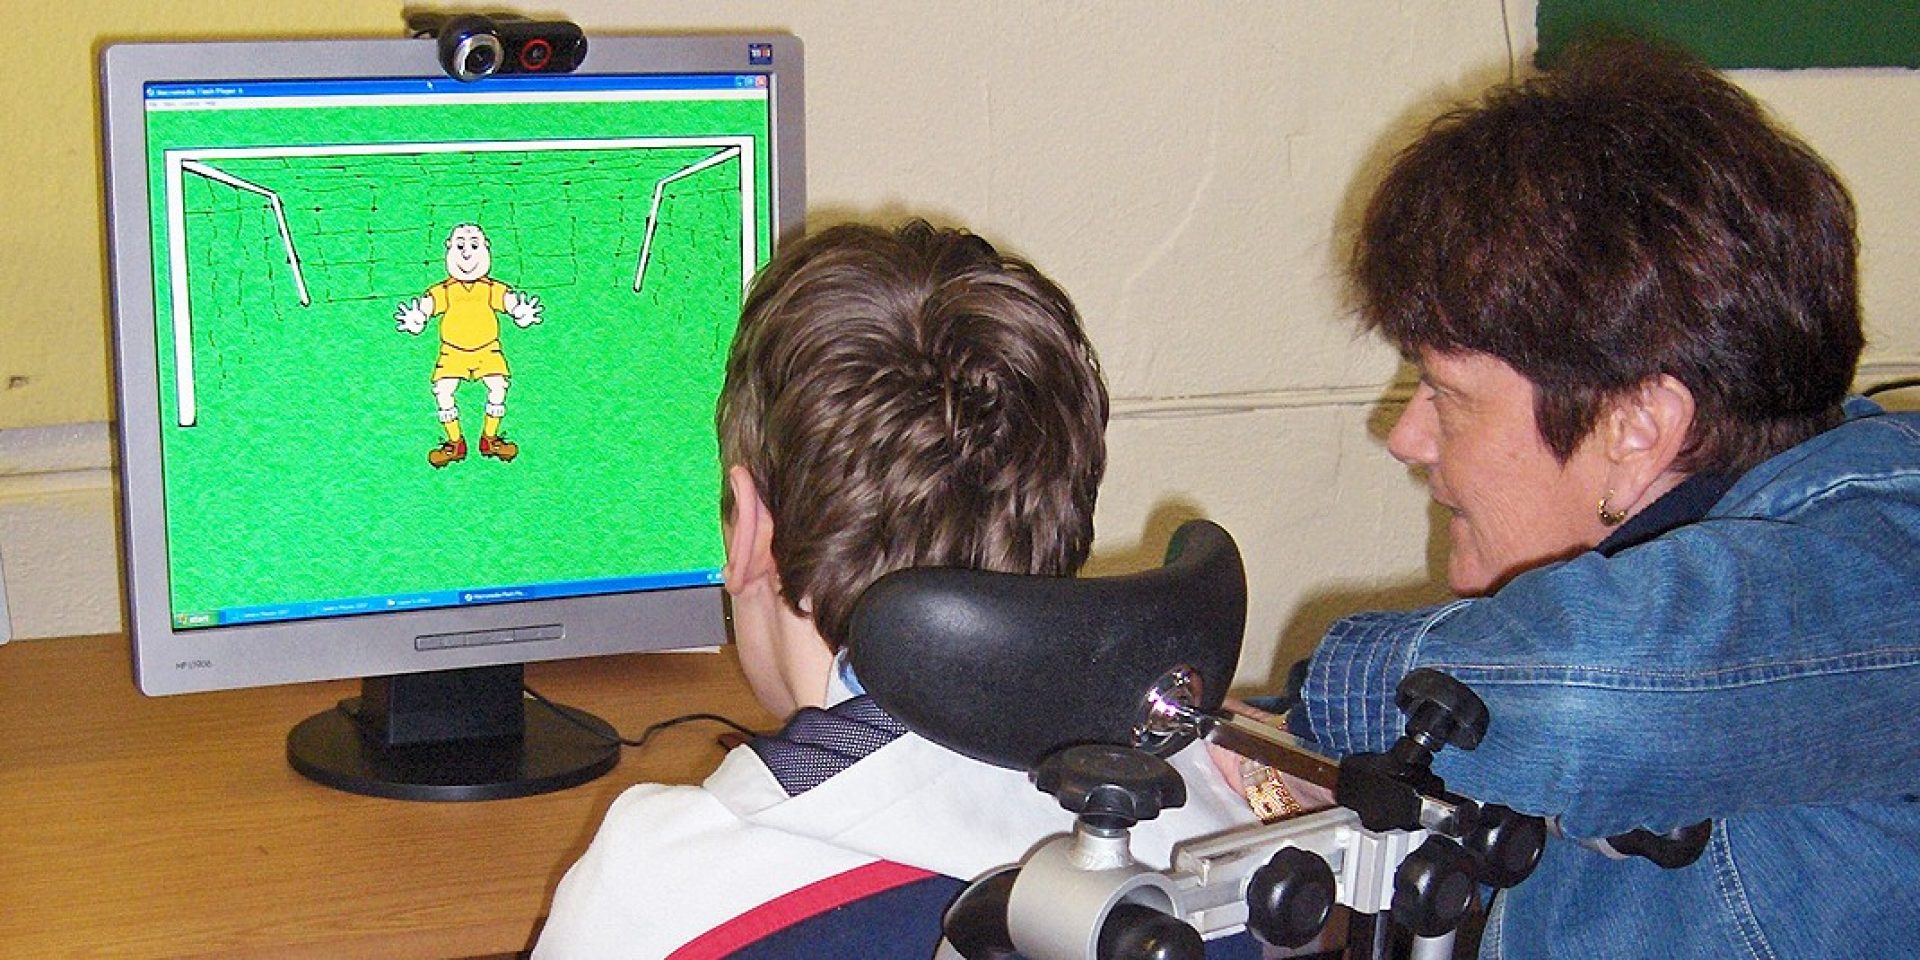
[1689, 563]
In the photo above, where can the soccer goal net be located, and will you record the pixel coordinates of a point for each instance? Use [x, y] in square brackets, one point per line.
[263, 241]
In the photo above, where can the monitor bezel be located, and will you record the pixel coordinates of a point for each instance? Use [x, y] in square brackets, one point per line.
[171, 661]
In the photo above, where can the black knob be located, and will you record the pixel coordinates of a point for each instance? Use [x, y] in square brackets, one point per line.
[1505, 845]
[1289, 899]
[976, 923]
[1441, 710]
[1110, 786]
[1136, 932]
[1433, 890]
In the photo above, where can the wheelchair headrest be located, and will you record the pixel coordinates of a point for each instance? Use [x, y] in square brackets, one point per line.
[1007, 669]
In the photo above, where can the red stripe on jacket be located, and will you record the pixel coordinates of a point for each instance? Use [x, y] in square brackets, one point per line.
[798, 905]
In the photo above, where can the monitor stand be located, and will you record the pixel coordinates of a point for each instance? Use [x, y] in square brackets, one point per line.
[451, 735]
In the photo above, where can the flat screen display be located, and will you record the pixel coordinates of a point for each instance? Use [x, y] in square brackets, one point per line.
[294, 219]
[408, 364]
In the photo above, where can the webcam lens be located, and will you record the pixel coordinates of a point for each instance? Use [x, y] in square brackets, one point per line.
[473, 55]
[480, 60]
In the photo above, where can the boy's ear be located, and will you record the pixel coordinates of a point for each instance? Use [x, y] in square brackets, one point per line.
[749, 535]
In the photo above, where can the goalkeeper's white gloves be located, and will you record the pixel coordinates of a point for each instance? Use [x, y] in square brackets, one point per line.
[524, 308]
[412, 315]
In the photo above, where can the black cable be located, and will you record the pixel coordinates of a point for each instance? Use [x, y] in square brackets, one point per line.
[646, 734]
[1891, 385]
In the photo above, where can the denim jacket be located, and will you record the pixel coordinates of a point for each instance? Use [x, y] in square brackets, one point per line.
[1759, 666]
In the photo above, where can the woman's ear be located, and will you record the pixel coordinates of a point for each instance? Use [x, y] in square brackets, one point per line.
[748, 535]
[1648, 432]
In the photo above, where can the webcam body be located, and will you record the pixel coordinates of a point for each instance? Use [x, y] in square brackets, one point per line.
[473, 46]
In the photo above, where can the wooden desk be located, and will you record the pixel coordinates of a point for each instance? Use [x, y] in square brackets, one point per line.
[173, 827]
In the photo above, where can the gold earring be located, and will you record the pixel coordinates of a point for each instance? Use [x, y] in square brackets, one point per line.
[1611, 518]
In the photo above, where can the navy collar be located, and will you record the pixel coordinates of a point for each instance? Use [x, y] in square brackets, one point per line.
[816, 743]
[1676, 508]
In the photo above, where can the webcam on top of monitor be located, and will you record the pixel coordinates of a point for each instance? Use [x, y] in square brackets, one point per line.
[473, 46]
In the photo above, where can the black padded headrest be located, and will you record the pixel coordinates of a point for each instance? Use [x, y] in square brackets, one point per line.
[1006, 668]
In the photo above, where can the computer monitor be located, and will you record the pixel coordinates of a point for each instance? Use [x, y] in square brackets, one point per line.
[416, 376]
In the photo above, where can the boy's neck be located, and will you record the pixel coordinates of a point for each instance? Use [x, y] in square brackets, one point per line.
[806, 663]
[784, 659]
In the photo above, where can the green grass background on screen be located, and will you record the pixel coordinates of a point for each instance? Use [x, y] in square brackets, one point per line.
[305, 476]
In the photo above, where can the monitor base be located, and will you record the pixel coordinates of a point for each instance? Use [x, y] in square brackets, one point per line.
[548, 753]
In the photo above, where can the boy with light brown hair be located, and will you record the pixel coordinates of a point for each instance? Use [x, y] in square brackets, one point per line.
[894, 398]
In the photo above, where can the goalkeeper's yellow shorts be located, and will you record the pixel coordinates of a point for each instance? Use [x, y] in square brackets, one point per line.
[456, 363]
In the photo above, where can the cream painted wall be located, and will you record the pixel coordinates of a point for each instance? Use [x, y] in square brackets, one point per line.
[1182, 168]
[53, 334]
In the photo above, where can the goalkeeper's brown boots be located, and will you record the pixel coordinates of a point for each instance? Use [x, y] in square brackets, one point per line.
[498, 447]
[452, 451]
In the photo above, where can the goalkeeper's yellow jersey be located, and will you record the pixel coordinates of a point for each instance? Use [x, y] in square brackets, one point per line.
[469, 312]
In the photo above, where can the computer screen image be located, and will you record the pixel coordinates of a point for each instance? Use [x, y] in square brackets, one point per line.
[288, 371]
[417, 375]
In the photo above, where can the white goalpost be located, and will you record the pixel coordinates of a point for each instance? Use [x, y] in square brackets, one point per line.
[279, 217]
[177, 167]
[653, 212]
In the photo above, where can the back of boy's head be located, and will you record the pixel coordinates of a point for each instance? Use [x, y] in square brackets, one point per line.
[906, 398]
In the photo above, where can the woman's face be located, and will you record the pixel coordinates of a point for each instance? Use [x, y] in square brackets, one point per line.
[1513, 504]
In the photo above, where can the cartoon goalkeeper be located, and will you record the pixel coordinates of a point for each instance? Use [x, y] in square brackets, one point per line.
[468, 303]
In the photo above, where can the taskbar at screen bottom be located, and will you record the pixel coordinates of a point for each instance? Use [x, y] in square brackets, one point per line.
[432, 599]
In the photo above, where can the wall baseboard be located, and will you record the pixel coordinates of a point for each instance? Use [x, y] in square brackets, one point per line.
[58, 531]
[6, 616]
